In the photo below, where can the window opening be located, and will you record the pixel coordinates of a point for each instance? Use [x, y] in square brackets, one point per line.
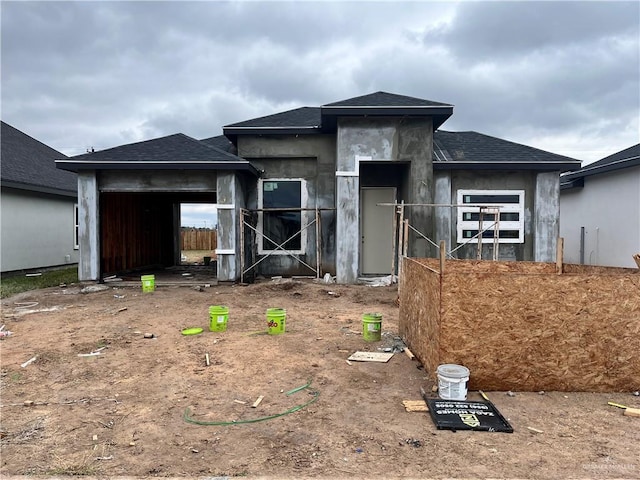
[509, 204]
[281, 220]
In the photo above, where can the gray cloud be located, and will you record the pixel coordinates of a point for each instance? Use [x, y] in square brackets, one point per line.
[482, 32]
[557, 75]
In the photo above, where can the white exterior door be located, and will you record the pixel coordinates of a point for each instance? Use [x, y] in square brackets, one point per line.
[376, 230]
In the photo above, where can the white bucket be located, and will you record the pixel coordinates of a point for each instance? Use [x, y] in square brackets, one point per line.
[452, 382]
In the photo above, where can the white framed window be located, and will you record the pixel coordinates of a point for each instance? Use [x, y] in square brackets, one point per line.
[281, 232]
[76, 227]
[510, 204]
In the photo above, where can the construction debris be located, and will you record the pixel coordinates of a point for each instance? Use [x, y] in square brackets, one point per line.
[371, 357]
[415, 405]
[94, 288]
[29, 362]
[257, 402]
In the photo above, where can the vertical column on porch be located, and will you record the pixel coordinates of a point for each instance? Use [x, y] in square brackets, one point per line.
[546, 216]
[443, 215]
[88, 231]
[229, 202]
[347, 213]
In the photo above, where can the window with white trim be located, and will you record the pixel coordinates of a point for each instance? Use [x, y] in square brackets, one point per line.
[510, 204]
[76, 227]
[282, 231]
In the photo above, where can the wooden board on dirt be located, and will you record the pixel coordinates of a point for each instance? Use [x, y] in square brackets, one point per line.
[371, 357]
[415, 405]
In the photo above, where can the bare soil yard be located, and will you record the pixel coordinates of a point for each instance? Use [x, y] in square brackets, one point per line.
[122, 412]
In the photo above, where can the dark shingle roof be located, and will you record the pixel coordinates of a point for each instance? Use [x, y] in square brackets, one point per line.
[465, 150]
[177, 151]
[29, 164]
[221, 142]
[384, 99]
[629, 157]
[308, 120]
[630, 153]
[304, 117]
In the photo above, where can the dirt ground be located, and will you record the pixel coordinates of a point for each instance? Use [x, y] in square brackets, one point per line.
[122, 412]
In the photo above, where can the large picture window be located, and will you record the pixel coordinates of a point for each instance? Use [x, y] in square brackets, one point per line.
[509, 204]
[282, 229]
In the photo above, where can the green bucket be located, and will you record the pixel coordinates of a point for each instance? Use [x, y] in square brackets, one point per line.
[218, 317]
[371, 327]
[148, 283]
[275, 320]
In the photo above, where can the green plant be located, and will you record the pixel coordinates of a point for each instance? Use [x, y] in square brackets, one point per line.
[84, 466]
[11, 285]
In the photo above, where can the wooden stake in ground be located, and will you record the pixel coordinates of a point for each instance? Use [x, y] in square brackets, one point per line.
[409, 353]
[629, 412]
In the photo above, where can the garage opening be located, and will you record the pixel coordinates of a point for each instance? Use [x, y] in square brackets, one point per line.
[142, 231]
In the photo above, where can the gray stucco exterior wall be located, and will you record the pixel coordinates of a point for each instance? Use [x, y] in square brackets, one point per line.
[88, 231]
[546, 216]
[312, 159]
[415, 144]
[363, 141]
[443, 215]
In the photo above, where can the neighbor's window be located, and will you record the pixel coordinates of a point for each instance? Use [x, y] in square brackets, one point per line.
[511, 220]
[76, 227]
[281, 229]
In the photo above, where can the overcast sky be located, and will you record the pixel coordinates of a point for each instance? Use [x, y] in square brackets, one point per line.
[561, 76]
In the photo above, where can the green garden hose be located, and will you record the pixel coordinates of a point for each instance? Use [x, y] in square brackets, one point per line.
[187, 413]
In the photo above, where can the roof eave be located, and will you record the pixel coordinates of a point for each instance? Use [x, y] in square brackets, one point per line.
[75, 166]
[292, 130]
[560, 166]
[571, 184]
[418, 110]
[610, 167]
[38, 189]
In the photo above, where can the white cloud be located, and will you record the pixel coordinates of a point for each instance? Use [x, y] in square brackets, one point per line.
[198, 215]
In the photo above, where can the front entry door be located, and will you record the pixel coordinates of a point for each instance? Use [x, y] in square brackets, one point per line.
[376, 230]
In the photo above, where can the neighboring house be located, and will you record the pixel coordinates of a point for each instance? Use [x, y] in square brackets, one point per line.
[600, 211]
[301, 192]
[38, 205]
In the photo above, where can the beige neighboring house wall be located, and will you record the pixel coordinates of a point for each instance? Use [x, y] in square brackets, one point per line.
[600, 213]
[37, 205]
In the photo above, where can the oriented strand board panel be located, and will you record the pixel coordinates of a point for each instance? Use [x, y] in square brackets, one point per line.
[419, 319]
[524, 327]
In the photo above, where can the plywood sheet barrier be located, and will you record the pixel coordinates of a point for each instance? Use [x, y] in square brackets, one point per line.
[521, 326]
